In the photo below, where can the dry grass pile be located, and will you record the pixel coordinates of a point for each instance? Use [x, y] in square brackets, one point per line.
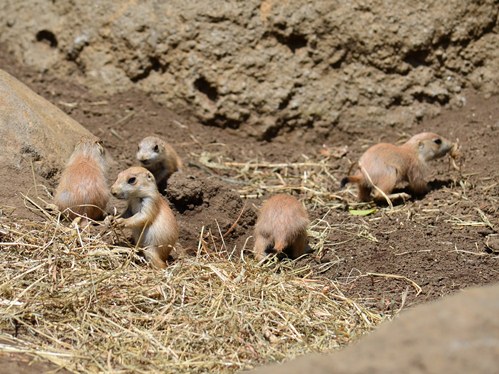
[310, 178]
[70, 297]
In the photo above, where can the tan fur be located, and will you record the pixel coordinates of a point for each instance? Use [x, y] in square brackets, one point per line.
[387, 165]
[281, 227]
[83, 189]
[153, 224]
[159, 158]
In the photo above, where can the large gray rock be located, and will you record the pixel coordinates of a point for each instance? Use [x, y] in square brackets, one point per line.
[459, 334]
[34, 135]
[265, 65]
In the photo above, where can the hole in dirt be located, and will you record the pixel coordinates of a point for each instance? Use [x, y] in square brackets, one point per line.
[416, 58]
[293, 41]
[431, 99]
[205, 87]
[285, 102]
[222, 121]
[154, 65]
[271, 132]
[337, 64]
[395, 101]
[48, 37]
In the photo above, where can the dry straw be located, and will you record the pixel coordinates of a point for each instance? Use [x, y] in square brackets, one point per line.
[69, 296]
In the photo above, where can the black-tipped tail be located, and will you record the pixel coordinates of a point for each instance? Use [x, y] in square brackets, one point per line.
[344, 182]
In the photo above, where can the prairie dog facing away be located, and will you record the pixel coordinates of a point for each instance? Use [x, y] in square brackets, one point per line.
[83, 188]
[281, 227]
[159, 158]
[386, 165]
[153, 224]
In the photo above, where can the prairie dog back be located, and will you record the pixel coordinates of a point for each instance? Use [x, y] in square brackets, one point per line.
[159, 158]
[83, 189]
[387, 165]
[281, 227]
[148, 215]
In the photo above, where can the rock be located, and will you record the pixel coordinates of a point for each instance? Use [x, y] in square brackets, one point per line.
[458, 334]
[33, 133]
[492, 243]
[265, 66]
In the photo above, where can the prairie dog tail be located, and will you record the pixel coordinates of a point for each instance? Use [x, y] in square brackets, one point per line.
[357, 178]
[350, 179]
[279, 246]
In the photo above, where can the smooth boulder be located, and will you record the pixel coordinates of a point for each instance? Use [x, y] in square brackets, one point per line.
[458, 334]
[36, 138]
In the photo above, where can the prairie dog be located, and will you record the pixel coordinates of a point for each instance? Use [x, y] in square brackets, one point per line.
[83, 189]
[281, 227]
[159, 158]
[386, 165]
[153, 224]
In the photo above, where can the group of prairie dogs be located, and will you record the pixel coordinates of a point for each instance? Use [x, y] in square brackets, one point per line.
[83, 192]
[281, 227]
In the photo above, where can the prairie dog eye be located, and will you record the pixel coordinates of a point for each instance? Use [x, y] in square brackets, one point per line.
[438, 141]
[132, 180]
[156, 148]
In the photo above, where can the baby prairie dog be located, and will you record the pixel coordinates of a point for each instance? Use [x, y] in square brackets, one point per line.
[281, 227]
[159, 158]
[387, 165]
[153, 224]
[83, 189]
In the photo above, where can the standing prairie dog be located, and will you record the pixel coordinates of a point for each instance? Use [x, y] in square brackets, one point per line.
[82, 189]
[281, 227]
[153, 224]
[386, 165]
[159, 158]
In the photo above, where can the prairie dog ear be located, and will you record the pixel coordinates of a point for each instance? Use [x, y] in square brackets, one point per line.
[149, 176]
[421, 144]
[102, 151]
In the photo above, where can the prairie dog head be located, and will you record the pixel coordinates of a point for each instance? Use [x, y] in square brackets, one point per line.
[151, 150]
[430, 146]
[90, 148]
[134, 182]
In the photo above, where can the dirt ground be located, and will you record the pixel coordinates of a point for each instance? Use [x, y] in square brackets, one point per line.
[436, 242]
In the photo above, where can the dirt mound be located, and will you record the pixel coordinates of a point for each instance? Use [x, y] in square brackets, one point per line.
[453, 335]
[209, 204]
[268, 65]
